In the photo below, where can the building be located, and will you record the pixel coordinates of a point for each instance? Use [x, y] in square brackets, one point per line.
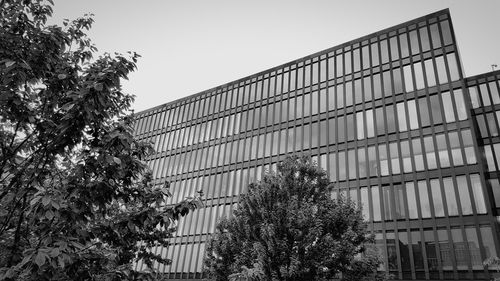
[390, 117]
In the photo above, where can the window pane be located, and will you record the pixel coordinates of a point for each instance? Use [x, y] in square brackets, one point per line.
[412, 113]
[430, 153]
[453, 67]
[408, 78]
[461, 254]
[370, 126]
[429, 71]
[477, 190]
[360, 127]
[435, 102]
[451, 201]
[418, 257]
[460, 104]
[423, 194]
[417, 154]
[473, 243]
[444, 159]
[412, 200]
[401, 117]
[384, 165]
[393, 148]
[406, 156]
[399, 201]
[465, 198]
[456, 150]
[424, 112]
[437, 198]
[375, 203]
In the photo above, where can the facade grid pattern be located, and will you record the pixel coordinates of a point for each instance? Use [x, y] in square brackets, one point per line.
[391, 119]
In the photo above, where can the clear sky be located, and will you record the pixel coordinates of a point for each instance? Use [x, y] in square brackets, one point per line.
[189, 46]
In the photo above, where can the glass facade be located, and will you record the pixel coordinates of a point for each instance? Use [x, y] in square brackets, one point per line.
[391, 119]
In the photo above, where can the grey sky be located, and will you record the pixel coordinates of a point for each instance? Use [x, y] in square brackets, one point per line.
[188, 46]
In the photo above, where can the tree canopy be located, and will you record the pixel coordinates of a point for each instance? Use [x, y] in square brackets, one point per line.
[287, 227]
[77, 201]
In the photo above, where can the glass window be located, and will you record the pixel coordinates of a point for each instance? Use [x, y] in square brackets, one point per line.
[424, 39]
[463, 193]
[412, 113]
[379, 112]
[348, 94]
[481, 123]
[377, 86]
[341, 129]
[350, 127]
[365, 52]
[470, 154]
[392, 252]
[307, 136]
[403, 41]
[384, 51]
[375, 56]
[435, 103]
[419, 75]
[488, 242]
[473, 243]
[333, 167]
[376, 203]
[342, 166]
[451, 201]
[356, 59]
[461, 253]
[361, 162]
[404, 252]
[441, 70]
[452, 66]
[307, 105]
[331, 98]
[445, 29]
[387, 83]
[365, 208]
[460, 104]
[351, 159]
[437, 198]
[477, 190]
[474, 97]
[401, 116]
[340, 96]
[398, 80]
[406, 156]
[399, 197]
[484, 95]
[314, 103]
[347, 64]
[370, 126]
[445, 249]
[423, 194]
[488, 154]
[429, 153]
[393, 148]
[360, 125]
[408, 78]
[323, 105]
[384, 165]
[387, 201]
[490, 117]
[495, 187]
[417, 154]
[391, 119]
[418, 257]
[443, 151]
[495, 96]
[291, 109]
[372, 160]
[339, 66]
[314, 134]
[323, 133]
[300, 105]
[412, 200]
[358, 91]
[429, 70]
[436, 40]
[456, 150]
[431, 250]
[393, 41]
[424, 112]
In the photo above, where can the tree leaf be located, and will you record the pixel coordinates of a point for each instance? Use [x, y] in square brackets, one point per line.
[40, 258]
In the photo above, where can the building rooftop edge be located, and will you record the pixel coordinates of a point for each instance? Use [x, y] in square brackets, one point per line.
[351, 42]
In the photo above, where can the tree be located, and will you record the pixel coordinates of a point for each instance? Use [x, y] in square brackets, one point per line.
[77, 200]
[287, 227]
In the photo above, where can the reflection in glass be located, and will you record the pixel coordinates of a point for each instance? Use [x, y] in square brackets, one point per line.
[384, 164]
[412, 200]
[451, 201]
[412, 113]
[437, 198]
[393, 148]
[375, 203]
[423, 194]
[463, 193]
[399, 201]
[461, 251]
[401, 116]
[477, 190]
